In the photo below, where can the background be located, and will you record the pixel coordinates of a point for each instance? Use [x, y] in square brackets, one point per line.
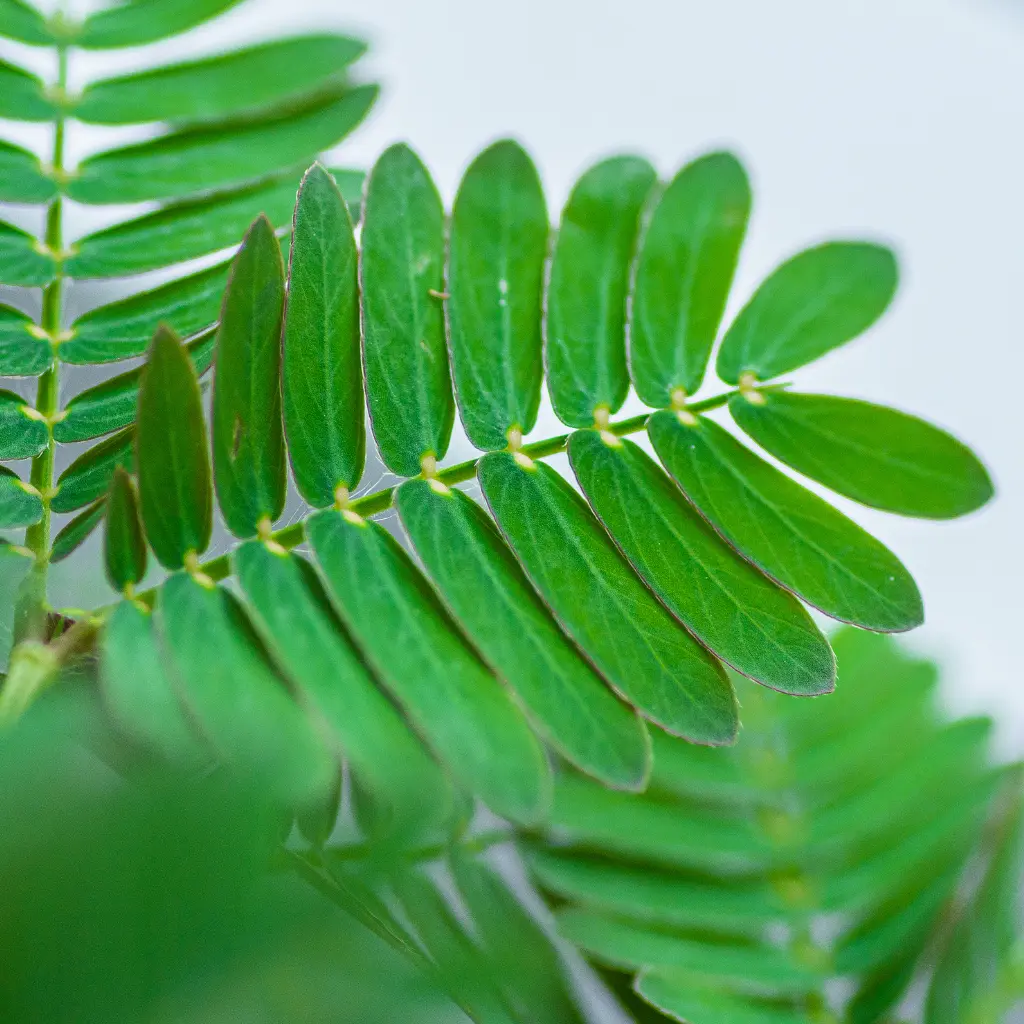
[892, 119]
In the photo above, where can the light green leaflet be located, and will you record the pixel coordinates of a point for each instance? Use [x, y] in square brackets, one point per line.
[112, 405]
[679, 996]
[461, 710]
[739, 614]
[22, 354]
[205, 159]
[493, 602]
[174, 466]
[20, 504]
[322, 389]
[21, 22]
[125, 548]
[88, 477]
[743, 968]
[23, 96]
[135, 24]
[813, 303]
[78, 531]
[22, 179]
[590, 277]
[390, 765]
[874, 455]
[687, 263]
[137, 689]
[499, 242]
[792, 535]
[404, 349]
[248, 435]
[22, 435]
[22, 264]
[643, 652]
[228, 85]
[242, 708]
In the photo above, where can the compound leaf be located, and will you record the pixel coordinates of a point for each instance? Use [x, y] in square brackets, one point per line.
[125, 548]
[23, 433]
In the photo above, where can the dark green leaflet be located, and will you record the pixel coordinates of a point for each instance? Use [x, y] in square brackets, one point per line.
[498, 247]
[792, 535]
[112, 405]
[459, 707]
[288, 607]
[125, 548]
[322, 389]
[677, 995]
[23, 23]
[634, 642]
[242, 708]
[23, 96]
[137, 688]
[500, 613]
[135, 24]
[22, 179]
[22, 434]
[78, 531]
[877, 456]
[88, 477]
[409, 390]
[248, 436]
[22, 354]
[686, 267]
[206, 159]
[747, 621]
[813, 303]
[586, 315]
[22, 264]
[124, 329]
[20, 504]
[228, 85]
[174, 467]
[15, 565]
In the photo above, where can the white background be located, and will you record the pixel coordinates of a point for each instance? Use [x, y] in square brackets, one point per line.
[895, 119]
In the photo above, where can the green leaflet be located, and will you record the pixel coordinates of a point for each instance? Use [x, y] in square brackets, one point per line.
[78, 531]
[686, 267]
[23, 263]
[113, 404]
[22, 179]
[457, 705]
[743, 968]
[137, 689]
[874, 455]
[20, 504]
[15, 565]
[88, 477]
[22, 435]
[289, 610]
[792, 535]
[500, 613]
[813, 303]
[322, 389]
[678, 995]
[740, 615]
[412, 409]
[125, 548]
[135, 24]
[248, 436]
[22, 354]
[24, 24]
[240, 705]
[228, 85]
[23, 96]
[590, 278]
[124, 329]
[174, 466]
[206, 159]
[498, 247]
[633, 641]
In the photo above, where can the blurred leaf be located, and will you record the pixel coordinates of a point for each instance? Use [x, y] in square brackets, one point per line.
[24, 24]
[23, 96]
[134, 24]
[22, 262]
[20, 504]
[125, 549]
[15, 565]
[22, 434]
[78, 531]
[22, 354]
[88, 478]
[676, 994]
[22, 178]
